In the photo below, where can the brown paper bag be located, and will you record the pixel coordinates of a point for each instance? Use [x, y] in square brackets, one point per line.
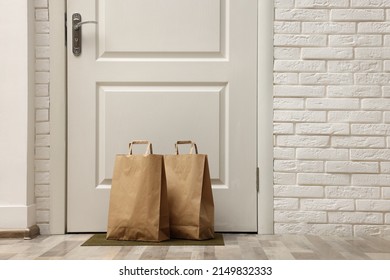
[190, 198]
[138, 207]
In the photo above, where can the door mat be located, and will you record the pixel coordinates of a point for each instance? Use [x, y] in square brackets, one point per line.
[99, 239]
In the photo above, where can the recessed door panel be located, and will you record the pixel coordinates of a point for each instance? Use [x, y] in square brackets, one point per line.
[150, 28]
[162, 114]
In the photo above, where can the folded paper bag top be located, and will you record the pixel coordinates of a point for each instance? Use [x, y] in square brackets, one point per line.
[138, 208]
[190, 198]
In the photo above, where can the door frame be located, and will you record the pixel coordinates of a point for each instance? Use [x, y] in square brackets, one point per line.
[58, 116]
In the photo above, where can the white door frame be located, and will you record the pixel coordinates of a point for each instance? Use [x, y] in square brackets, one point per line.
[57, 9]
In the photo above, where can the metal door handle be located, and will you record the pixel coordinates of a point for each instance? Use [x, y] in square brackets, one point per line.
[78, 25]
[76, 32]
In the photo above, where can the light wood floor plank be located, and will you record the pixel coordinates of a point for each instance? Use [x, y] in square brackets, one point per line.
[324, 250]
[237, 246]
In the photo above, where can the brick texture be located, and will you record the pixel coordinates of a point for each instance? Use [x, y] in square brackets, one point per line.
[42, 119]
[332, 117]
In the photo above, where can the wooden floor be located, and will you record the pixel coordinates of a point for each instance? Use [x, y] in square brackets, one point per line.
[237, 246]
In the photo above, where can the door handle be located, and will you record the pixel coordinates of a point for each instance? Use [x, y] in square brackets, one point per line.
[76, 32]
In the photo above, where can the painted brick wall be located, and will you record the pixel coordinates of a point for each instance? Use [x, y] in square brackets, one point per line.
[332, 117]
[42, 125]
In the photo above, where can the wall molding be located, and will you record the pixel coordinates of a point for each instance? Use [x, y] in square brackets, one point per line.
[28, 233]
[57, 223]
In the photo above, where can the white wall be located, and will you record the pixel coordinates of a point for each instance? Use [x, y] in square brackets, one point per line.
[42, 114]
[332, 117]
[17, 206]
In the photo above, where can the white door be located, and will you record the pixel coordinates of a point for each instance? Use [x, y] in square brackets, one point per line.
[163, 70]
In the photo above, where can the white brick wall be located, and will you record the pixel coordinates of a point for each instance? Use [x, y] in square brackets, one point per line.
[42, 105]
[332, 117]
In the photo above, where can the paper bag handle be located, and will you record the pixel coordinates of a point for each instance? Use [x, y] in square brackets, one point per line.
[149, 149]
[193, 146]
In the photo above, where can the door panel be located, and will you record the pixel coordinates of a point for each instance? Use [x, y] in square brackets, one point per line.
[154, 26]
[169, 110]
[163, 70]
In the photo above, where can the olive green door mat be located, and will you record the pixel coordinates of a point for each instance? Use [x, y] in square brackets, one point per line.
[99, 239]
